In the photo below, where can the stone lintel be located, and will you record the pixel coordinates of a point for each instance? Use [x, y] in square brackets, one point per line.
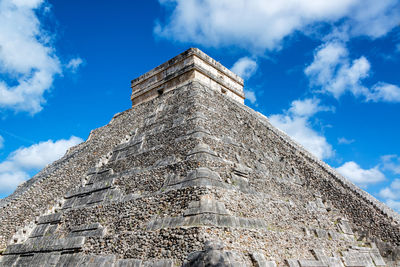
[191, 65]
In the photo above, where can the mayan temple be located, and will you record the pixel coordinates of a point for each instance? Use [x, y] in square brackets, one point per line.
[190, 176]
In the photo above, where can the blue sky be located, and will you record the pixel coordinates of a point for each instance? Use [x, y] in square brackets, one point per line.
[324, 71]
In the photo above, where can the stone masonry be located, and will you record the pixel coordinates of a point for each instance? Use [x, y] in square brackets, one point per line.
[189, 176]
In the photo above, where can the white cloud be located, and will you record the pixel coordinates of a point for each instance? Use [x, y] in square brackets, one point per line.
[74, 64]
[359, 176]
[250, 95]
[391, 194]
[26, 56]
[259, 25]
[15, 168]
[343, 140]
[384, 92]
[333, 72]
[245, 67]
[307, 107]
[1, 142]
[296, 123]
[391, 163]
[394, 205]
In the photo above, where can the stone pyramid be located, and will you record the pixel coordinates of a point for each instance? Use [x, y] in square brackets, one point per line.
[190, 176]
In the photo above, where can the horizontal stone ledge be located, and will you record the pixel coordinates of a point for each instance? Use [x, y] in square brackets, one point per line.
[88, 230]
[140, 263]
[206, 219]
[202, 148]
[206, 206]
[91, 188]
[86, 227]
[194, 135]
[312, 263]
[51, 218]
[39, 260]
[98, 171]
[46, 244]
[39, 230]
[86, 260]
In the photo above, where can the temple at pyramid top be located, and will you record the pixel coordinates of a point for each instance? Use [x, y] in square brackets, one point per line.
[191, 65]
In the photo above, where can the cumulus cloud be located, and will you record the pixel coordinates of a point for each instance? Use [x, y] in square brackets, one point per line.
[384, 92]
[345, 141]
[245, 67]
[391, 163]
[15, 169]
[360, 176]
[250, 95]
[307, 107]
[333, 72]
[394, 204]
[391, 194]
[260, 25]
[27, 57]
[74, 64]
[296, 123]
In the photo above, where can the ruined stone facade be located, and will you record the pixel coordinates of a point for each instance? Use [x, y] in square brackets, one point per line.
[192, 177]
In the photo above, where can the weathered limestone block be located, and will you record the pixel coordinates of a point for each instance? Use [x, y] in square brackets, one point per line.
[213, 255]
[51, 218]
[128, 263]
[312, 263]
[98, 175]
[39, 230]
[345, 227]
[376, 257]
[8, 260]
[260, 261]
[91, 188]
[46, 244]
[45, 259]
[240, 181]
[200, 149]
[159, 263]
[357, 258]
[242, 170]
[292, 263]
[88, 230]
[206, 205]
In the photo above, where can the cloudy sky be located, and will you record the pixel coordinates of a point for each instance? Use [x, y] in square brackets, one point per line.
[324, 71]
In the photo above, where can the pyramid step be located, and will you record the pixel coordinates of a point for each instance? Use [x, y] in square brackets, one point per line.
[202, 149]
[259, 260]
[8, 260]
[46, 244]
[51, 218]
[88, 230]
[39, 230]
[86, 260]
[206, 219]
[312, 263]
[97, 175]
[91, 188]
[214, 254]
[140, 263]
[39, 260]
[206, 206]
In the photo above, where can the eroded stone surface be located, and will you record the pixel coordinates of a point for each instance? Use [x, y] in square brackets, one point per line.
[191, 166]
